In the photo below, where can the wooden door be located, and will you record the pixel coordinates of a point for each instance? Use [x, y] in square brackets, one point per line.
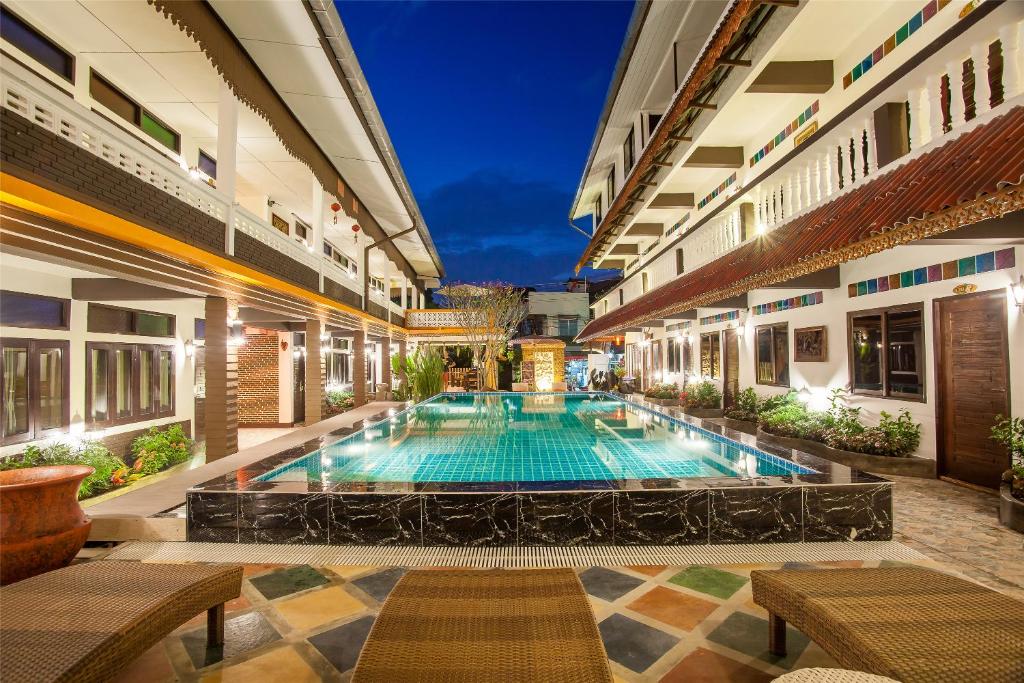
[973, 385]
[299, 394]
[731, 371]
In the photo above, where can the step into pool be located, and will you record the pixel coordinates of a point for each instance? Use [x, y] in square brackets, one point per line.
[477, 469]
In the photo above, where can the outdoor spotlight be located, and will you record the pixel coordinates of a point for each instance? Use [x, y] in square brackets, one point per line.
[1018, 292]
[190, 348]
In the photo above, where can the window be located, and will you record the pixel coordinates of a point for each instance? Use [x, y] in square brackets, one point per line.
[567, 326]
[31, 310]
[771, 347]
[680, 262]
[652, 124]
[610, 185]
[37, 46]
[34, 382]
[113, 320]
[606, 307]
[710, 355]
[628, 155]
[376, 284]
[128, 382]
[328, 250]
[687, 365]
[111, 97]
[280, 223]
[339, 363]
[597, 212]
[301, 230]
[886, 351]
[620, 296]
[207, 164]
[645, 282]
[199, 329]
[673, 355]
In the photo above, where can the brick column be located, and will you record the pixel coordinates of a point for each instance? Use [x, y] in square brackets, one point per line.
[402, 379]
[221, 404]
[385, 375]
[359, 367]
[315, 376]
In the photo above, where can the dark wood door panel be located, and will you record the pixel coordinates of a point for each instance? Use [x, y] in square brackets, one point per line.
[973, 385]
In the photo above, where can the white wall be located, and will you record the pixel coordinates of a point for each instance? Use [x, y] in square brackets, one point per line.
[814, 380]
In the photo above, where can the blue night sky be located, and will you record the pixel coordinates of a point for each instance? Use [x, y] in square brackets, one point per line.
[492, 107]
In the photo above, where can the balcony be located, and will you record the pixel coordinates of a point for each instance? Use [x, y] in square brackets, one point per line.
[54, 110]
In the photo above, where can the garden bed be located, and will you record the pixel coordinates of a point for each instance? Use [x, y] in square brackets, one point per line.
[1011, 509]
[662, 401]
[704, 412]
[740, 425]
[908, 466]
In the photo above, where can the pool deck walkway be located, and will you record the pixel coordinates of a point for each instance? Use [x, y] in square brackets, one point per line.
[131, 515]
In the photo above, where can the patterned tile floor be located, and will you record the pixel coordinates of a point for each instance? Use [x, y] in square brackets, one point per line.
[694, 624]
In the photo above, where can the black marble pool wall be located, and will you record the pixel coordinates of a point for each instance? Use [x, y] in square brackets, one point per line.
[749, 514]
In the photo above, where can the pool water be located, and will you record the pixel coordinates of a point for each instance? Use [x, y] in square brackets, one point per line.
[529, 437]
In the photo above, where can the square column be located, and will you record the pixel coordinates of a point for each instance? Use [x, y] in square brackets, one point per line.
[359, 367]
[385, 362]
[315, 375]
[221, 405]
[402, 379]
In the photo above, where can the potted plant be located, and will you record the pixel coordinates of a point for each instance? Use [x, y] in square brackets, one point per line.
[663, 394]
[1009, 431]
[702, 399]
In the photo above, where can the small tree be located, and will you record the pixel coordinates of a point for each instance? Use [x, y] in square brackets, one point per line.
[489, 314]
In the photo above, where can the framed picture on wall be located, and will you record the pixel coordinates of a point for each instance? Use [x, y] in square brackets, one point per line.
[810, 345]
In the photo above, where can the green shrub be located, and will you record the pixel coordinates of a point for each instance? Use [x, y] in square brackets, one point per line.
[663, 391]
[1009, 431]
[91, 453]
[425, 370]
[745, 407]
[159, 448]
[704, 395]
[794, 420]
[340, 401]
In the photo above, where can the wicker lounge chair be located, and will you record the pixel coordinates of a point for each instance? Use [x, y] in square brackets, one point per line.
[88, 621]
[908, 623]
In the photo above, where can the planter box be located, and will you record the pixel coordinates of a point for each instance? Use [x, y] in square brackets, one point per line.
[740, 425]
[910, 466]
[1011, 510]
[704, 412]
[662, 401]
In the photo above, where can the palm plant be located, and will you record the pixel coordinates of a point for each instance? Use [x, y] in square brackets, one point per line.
[425, 371]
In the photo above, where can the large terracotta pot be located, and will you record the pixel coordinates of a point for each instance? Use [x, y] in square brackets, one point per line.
[42, 526]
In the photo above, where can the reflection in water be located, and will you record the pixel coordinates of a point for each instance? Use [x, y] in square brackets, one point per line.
[509, 437]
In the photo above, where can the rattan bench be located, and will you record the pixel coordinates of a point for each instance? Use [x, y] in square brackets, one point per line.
[88, 621]
[912, 624]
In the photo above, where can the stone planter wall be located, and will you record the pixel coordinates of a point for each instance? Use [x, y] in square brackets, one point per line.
[704, 412]
[911, 466]
[662, 401]
[740, 425]
[1011, 510]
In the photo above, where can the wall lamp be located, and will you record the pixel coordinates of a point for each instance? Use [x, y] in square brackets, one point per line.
[1017, 289]
[190, 348]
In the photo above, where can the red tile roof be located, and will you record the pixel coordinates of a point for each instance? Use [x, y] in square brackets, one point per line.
[897, 207]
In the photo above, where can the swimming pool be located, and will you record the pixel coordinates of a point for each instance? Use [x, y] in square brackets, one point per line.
[500, 469]
[530, 438]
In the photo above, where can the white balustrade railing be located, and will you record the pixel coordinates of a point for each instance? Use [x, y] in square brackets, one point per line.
[432, 318]
[48, 107]
[265, 233]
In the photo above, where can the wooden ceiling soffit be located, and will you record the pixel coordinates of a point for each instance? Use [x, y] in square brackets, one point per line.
[794, 77]
[612, 263]
[38, 237]
[247, 82]
[645, 230]
[737, 15]
[715, 157]
[119, 289]
[672, 200]
[822, 279]
[625, 250]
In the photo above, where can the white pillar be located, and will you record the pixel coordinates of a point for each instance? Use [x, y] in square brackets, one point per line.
[1010, 37]
[405, 294]
[957, 108]
[826, 173]
[933, 88]
[422, 303]
[869, 128]
[819, 178]
[982, 89]
[807, 183]
[916, 129]
[387, 291]
[788, 197]
[316, 219]
[227, 146]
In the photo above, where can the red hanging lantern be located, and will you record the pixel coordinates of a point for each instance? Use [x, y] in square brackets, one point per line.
[355, 231]
[335, 207]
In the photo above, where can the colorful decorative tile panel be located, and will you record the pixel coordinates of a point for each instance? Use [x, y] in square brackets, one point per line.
[970, 265]
[717, 191]
[720, 318]
[790, 303]
[792, 127]
[889, 44]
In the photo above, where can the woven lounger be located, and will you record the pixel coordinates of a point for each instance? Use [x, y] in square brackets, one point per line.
[88, 621]
[490, 625]
[908, 623]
